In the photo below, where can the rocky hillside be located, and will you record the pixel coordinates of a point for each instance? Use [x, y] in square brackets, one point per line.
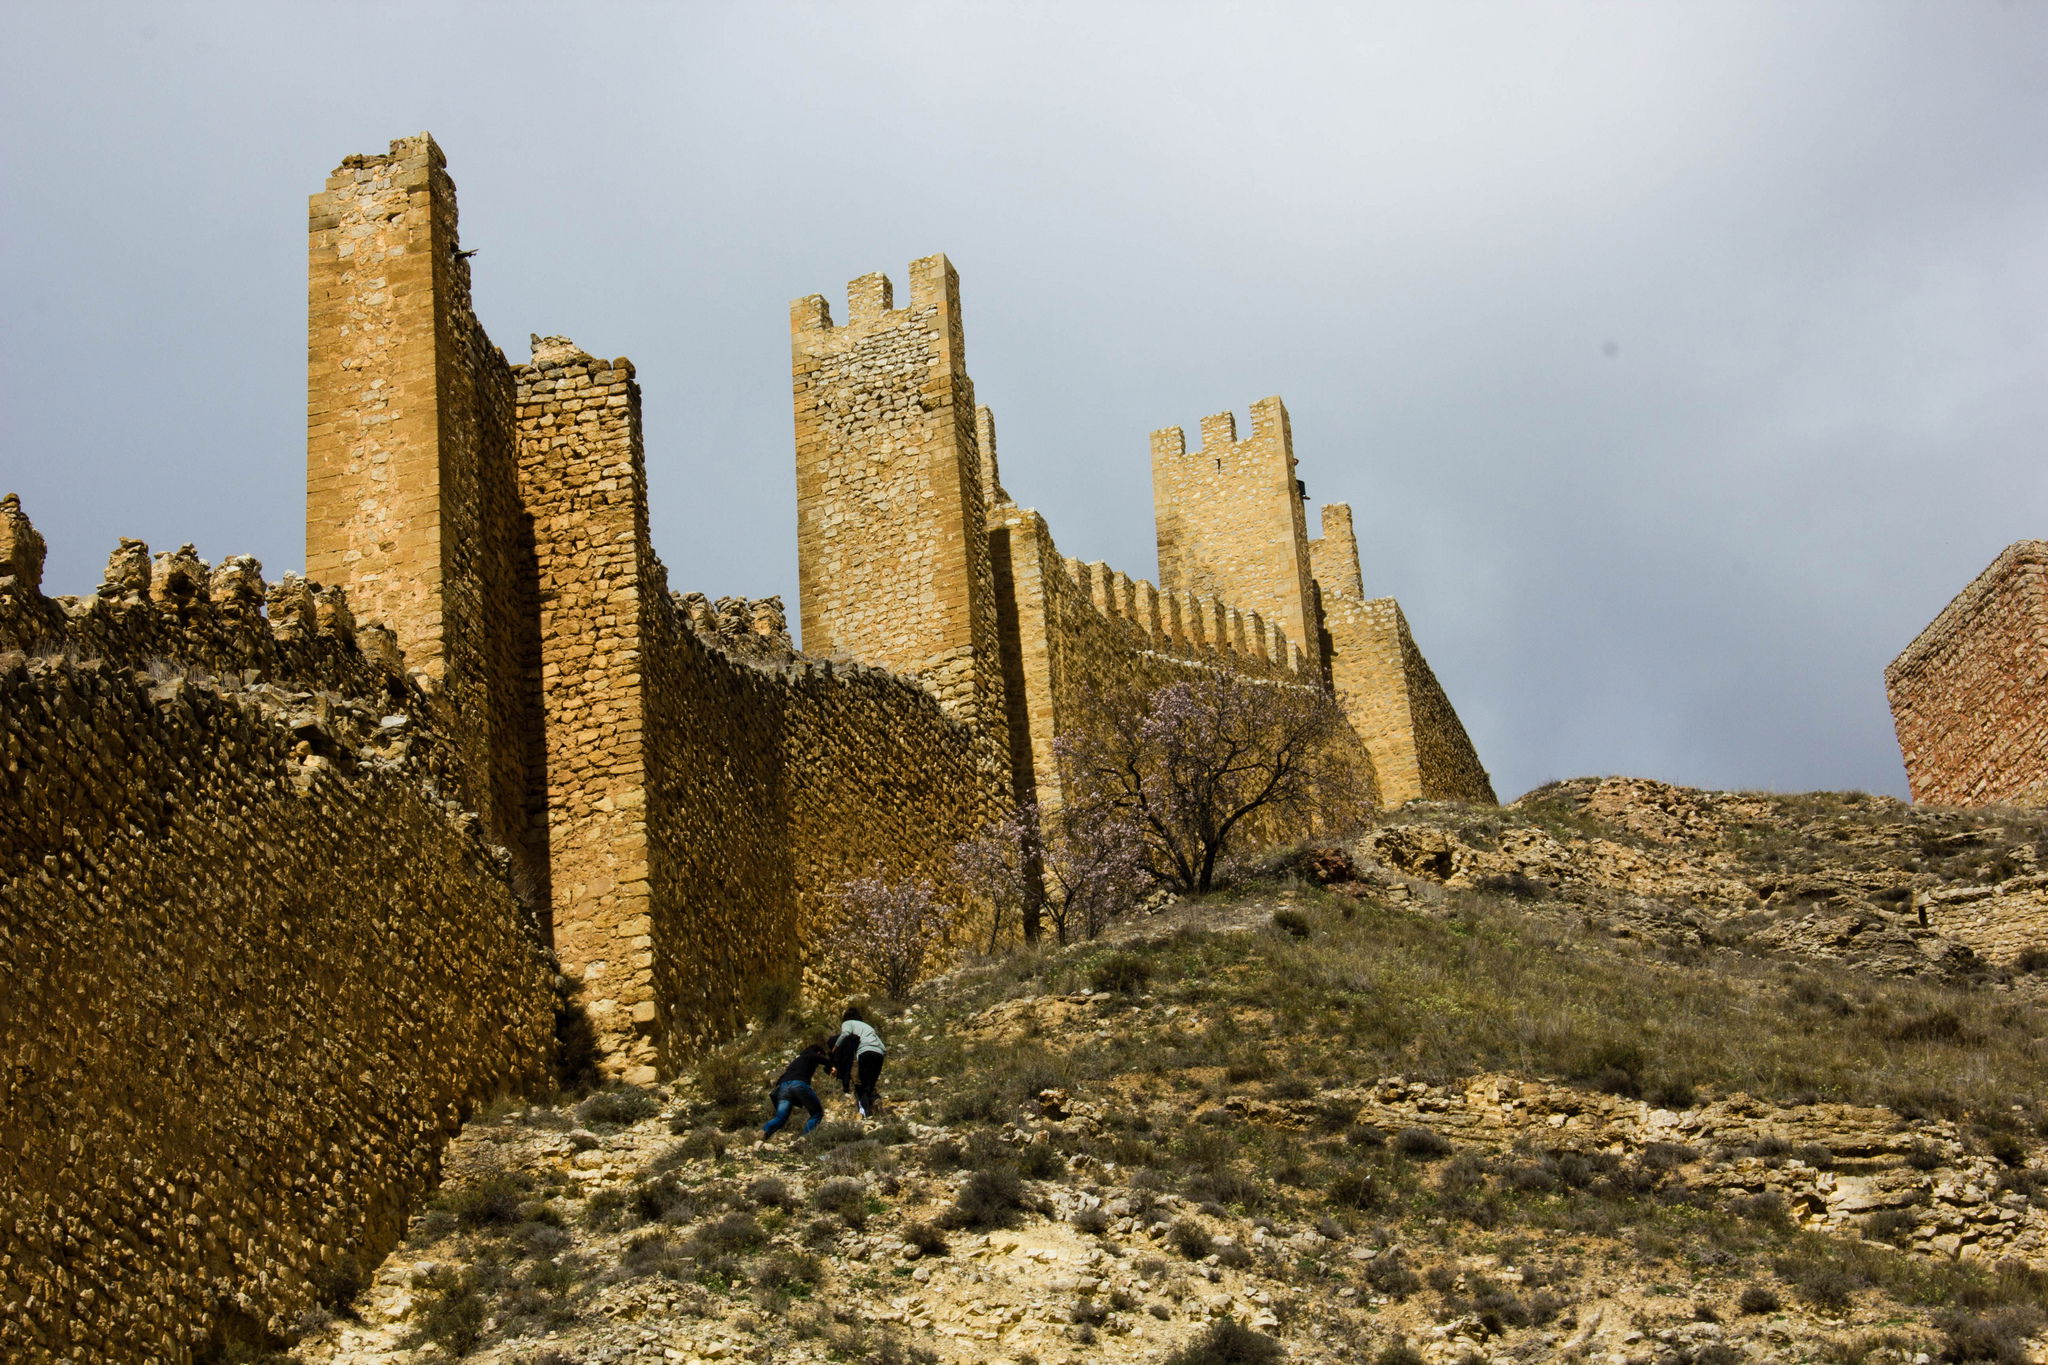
[1621, 1073]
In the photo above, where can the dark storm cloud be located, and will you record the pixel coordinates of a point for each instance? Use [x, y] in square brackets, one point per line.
[1680, 360]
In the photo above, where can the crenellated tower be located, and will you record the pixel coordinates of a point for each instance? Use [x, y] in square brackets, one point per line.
[892, 546]
[1230, 520]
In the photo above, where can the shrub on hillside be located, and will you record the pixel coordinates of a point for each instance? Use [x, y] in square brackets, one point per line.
[1229, 1342]
[991, 1198]
[618, 1108]
[1124, 973]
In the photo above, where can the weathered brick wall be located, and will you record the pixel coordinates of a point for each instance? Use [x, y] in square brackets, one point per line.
[1230, 519]
[258, 967]
[1969, 696]
[892, 555]
[1419, 746]
[411, 501]
[724, 916]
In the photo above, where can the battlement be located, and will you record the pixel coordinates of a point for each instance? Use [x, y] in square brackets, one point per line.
[1220, 444]
[871, 300]
[1187, 625]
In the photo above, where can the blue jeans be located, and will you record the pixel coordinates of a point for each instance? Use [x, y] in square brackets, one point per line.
[791, 1093]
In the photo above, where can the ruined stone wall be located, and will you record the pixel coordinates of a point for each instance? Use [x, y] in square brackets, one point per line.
[708, 790]
[2002, 924]
[892, 553]
[1969, 696]
[1333, 556]
[582, 481]
[878, 775]
[724, 926]
[1419, 746]
[411, 501]
[1230, 519]
[259, 966]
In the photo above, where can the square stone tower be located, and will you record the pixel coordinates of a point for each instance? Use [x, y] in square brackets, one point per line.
[411, 483]
[892, 545]
[1230, 520]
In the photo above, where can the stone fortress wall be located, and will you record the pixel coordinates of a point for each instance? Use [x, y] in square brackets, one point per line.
[890, 471]
[1969, 696]
[261, 960]
[305, 892]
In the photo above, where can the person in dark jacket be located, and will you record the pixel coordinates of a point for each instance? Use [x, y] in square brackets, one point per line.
[857, 1059]
[793, 1087]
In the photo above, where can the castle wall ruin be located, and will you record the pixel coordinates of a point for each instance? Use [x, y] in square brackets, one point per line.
[1969, 696]
[259, 964]
[312, 890]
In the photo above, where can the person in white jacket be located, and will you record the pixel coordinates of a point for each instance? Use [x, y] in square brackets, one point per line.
[857, 1055]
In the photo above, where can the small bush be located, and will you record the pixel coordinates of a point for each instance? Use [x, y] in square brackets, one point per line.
[989, 1199]
[499, 1200]
[1400, 1353]
[1423, 1144]
[661, 1200]
[785, 1273]
[1190, 1239]
[1997, 1337]
[1228, 1342]
[844, 1196]
[1093, 1221]
[455, 1314]
[1039, 1161]
[1890, 1225]
[1758, 1299]
[1292, 923]
[1123, 973]
[1665, 1156]
[1514, 885]
[653, 1253]
[617, 1108]
[1389, 1274]
[928, 1238]
[771, 1192]
[736, 1232]
[703, 1143]
[835, 1133]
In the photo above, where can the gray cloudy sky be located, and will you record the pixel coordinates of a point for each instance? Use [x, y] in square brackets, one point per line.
[1681, 359]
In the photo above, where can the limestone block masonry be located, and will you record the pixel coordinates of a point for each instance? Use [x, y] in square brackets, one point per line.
[1969, 696]
[294, 876]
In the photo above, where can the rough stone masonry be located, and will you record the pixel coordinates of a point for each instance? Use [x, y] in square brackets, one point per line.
[1970, 695]
[294, 876]
[495, 515]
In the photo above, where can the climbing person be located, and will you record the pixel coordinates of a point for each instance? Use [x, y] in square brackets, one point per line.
[857, 1058]
[793, 1087]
